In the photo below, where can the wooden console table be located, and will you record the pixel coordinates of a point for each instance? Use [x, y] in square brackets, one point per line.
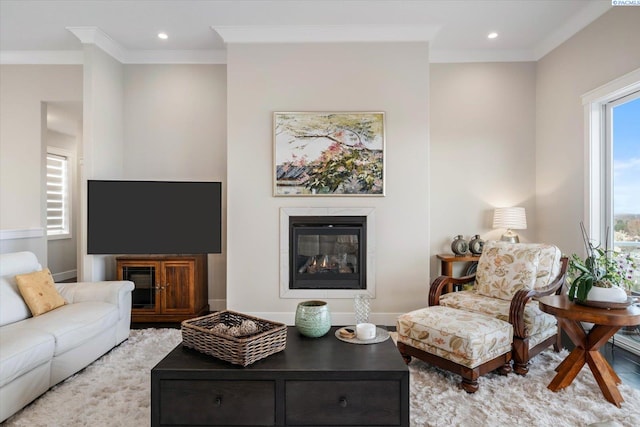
[169, 288]
[314, 381]
[606, 324]
[447, 261]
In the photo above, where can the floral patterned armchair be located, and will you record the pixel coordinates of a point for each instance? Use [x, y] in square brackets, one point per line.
[509, 279]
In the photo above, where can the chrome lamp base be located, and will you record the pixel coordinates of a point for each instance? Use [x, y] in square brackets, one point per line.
[510, 237]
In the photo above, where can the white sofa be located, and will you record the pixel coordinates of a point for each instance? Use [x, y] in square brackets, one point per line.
[36, 353]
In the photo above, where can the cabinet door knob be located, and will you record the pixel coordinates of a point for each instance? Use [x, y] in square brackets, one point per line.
[218, 401]
[343, 402]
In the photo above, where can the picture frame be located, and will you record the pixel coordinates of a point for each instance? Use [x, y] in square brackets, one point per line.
[329, 154]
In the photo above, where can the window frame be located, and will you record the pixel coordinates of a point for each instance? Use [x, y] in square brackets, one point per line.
[67, 232]
[598, 160]
[598, 153]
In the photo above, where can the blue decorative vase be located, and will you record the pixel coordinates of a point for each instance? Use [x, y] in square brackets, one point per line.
[313, 318]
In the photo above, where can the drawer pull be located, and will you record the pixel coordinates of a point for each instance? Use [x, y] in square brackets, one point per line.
[218, 401]
[343, 402]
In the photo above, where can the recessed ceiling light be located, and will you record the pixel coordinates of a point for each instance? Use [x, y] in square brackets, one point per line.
[163, 36]
[492, 35]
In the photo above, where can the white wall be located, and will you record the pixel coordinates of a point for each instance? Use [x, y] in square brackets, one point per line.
[22, 90]
[482, 137]
[175, 129]
[389, 77]
[602, 52]
[103, 142]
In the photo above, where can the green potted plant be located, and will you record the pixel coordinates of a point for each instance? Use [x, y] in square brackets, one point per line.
[604, 275]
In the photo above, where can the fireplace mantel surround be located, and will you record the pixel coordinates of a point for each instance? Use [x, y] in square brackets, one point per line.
[286, 292]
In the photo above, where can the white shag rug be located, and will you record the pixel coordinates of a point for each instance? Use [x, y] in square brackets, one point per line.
[115, 391]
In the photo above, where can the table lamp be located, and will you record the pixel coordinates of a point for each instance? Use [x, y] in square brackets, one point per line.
[514, 218]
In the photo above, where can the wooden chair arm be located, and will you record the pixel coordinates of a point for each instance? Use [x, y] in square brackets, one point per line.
[523, 296]
[435, 290]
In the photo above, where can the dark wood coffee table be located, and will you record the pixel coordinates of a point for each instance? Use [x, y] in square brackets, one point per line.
[313, 382]
[606, 324]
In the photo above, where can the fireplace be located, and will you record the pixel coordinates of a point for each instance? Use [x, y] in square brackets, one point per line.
[327, 252]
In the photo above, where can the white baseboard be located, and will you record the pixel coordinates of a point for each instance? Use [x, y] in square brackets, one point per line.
[337, 319]
[217, 304]
[65, 275]
[288, 318]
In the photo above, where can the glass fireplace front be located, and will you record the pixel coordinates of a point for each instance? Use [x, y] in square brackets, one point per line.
[327, 252]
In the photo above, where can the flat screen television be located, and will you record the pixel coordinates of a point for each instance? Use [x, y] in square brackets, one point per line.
[153, 217]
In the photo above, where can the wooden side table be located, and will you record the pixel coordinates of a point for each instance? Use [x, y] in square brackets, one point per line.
[606, 324]
[447, 261]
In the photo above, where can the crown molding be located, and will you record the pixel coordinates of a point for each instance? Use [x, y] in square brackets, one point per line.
[325, 33]
[39, 57]
[480, 55]
[210, 56]
[94, 35]
[571, 27]
[304, 34]
[76, 57]
[220, 56]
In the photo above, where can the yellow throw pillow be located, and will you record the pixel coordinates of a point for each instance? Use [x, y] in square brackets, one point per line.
[39, 291]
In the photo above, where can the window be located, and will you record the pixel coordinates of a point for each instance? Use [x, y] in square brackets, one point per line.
[612, 207]
[58, 193]
[622, 207]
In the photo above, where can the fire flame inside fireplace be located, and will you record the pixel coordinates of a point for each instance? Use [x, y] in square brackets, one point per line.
[323, 263]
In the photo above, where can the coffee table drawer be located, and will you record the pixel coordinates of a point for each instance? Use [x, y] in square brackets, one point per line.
[341, 403]
[217, 403]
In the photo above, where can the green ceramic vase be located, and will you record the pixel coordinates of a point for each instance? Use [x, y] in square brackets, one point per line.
[313, 318]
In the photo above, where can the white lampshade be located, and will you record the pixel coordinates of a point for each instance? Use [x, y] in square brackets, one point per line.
[510, 218]
[514, 218]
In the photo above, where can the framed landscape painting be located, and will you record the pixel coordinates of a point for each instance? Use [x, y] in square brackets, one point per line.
[328, 153]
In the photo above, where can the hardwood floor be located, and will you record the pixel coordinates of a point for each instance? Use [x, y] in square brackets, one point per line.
[625, 363]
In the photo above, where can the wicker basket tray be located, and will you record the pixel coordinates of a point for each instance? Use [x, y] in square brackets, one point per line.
[199, 335]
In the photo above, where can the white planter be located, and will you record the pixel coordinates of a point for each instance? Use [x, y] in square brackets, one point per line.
[614, 294]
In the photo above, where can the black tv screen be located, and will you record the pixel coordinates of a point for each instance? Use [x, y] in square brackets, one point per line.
[153, 217]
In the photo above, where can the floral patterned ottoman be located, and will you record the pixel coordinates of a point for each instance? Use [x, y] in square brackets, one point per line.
[465, 343]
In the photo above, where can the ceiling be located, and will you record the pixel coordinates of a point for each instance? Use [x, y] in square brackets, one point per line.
[199, 30]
